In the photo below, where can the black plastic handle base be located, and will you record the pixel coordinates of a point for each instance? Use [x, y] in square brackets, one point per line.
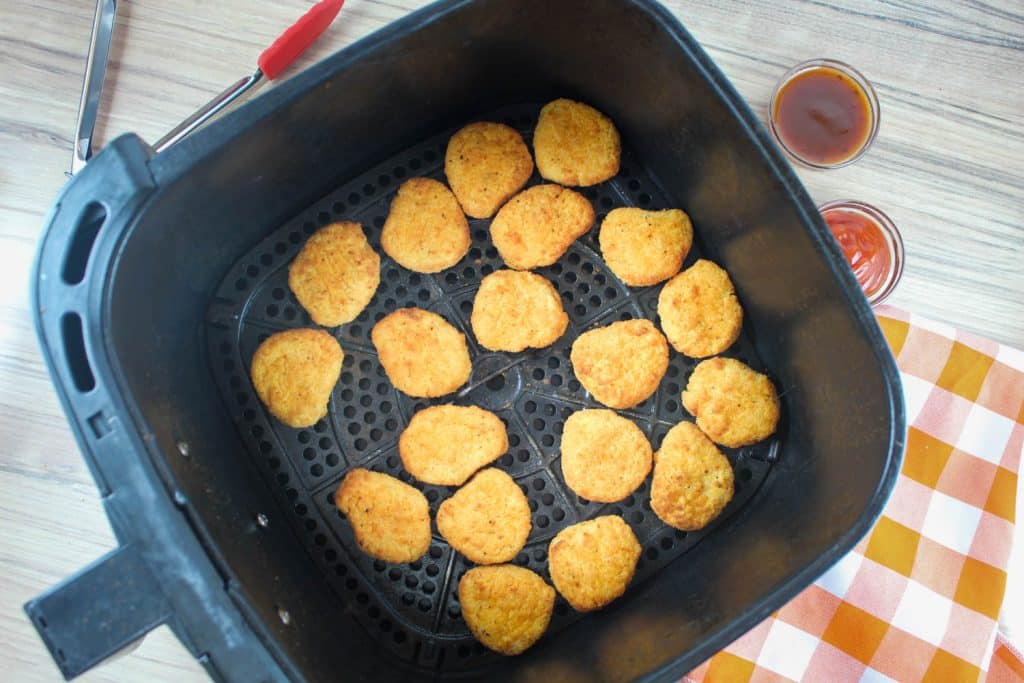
[100, 611]
[162, 573]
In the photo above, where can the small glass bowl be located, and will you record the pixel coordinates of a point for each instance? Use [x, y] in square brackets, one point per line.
[852, 74]
[893, 241]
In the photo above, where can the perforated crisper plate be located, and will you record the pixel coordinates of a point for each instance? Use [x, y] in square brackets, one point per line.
[413, 608]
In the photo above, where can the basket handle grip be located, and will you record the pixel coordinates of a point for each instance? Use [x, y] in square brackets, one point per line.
[100, 612]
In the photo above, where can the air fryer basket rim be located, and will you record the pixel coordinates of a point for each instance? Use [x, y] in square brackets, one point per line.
[127, 161]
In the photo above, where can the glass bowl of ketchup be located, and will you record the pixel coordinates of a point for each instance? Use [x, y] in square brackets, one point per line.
[871, 243]
[824, 113]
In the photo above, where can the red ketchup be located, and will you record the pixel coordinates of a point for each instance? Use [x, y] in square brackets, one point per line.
[864, 246]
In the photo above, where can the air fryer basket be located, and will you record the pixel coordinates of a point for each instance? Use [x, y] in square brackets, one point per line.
[414, 607]
[158, 275]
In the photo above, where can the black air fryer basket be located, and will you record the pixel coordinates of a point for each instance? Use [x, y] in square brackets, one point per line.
[159, 275]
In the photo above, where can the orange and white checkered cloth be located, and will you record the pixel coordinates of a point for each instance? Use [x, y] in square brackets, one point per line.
[918, 599]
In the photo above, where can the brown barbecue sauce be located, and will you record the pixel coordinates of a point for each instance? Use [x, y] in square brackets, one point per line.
[823, 116]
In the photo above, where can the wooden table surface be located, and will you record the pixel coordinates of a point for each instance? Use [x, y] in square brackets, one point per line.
[948, 167]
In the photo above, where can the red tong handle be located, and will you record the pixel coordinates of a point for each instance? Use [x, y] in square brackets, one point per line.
[299, 36]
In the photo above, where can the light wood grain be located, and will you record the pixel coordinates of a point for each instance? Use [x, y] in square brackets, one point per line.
[948, 166]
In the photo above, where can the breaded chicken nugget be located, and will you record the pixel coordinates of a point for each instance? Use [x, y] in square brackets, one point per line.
[336, 274]
[488, 519]
[390, 519]
[426, 230]
[539, 224]
[515, 310]
[506, 607]
[621, 364]
[693, 481]
[645, 247]
[699, 310]
[575, 144]
[486, 163]
[591, 563]
[422, 353]
[294, 373]
[734, 405]
[445, 445]
[605, 457]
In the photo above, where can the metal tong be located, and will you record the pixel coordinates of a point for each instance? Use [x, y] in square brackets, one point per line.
[275, 59]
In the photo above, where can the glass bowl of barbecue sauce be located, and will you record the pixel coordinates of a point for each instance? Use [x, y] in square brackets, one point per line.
[824, 114]
[871, 244]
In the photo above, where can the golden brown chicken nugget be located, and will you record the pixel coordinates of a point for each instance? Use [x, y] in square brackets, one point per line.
[539, 224]
[506, 607]
[645, 247]
[425, 230]
[591, 563]
[421, 352]
[692, 482]
[621, 364]
[445, 445]
[699, 310]
[294, 373]
[390, 519]
[734, 405]
[488, 519]
[486, 163]
[515, 310]
[336, 274]
[575, 144]
[605, 457]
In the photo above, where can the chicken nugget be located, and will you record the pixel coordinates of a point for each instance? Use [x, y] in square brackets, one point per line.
[336, 274]
[692, 482]
[591, 563]
[575, 144]
[422, 353]
[445, 445]
[390, 519]
[425, 230]
[488, 519]
[699, 310]
[539, 224]
[621, 364]
[294, 373]
[486, 163]
[515, 310]
[506, 607]
[605, 457]
[734, 405]
[645, 247]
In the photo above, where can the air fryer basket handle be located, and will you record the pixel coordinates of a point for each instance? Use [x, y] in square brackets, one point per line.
[161, 573]
[100, 611]
[114, 602]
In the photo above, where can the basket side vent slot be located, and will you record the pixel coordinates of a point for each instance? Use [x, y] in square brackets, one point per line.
[88, 227]
[75, 354]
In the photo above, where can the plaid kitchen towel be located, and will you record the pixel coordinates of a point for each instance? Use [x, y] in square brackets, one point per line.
[918, 599]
